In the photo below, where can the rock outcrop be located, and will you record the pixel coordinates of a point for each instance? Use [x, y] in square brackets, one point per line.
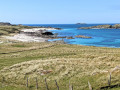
[58, 28]
[4, 24]
[47, 33]
[69, 37]
[116, 26]
[81, 36]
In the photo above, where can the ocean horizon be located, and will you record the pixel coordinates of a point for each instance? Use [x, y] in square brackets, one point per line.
[100, 37]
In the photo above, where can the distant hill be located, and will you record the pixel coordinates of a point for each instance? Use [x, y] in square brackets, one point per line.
[4, 23]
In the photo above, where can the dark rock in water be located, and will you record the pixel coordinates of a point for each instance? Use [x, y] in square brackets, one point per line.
[81, 36]
[58, 28]
[116, 26]
[85, 28]
[47, 33]
[59, 37]
[4, 23]
[102, 26]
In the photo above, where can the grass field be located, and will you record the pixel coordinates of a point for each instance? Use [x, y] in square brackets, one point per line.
[61, 62]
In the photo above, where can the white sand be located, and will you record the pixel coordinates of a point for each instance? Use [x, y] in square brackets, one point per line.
[37, 29]
[25, 38]
[1, 42]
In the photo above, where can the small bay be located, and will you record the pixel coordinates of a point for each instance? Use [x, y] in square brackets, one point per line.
[100, 37]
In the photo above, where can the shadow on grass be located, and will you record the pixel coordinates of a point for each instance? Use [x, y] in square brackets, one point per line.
[29, 49]
[109, 87]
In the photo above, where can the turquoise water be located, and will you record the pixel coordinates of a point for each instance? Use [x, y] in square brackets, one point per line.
[100, 37]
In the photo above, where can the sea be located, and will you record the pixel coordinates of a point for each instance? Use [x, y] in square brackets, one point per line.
[100, 37]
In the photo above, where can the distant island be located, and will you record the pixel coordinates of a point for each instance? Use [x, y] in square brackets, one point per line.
[107, 26]
[80, 23]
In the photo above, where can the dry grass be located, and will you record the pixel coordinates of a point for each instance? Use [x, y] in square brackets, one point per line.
[6, 30]
[62, 62]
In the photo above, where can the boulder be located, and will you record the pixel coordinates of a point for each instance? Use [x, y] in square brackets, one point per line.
[47, 33]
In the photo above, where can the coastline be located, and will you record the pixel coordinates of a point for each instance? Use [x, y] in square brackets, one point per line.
[78, 38]
[56, 61]
[22, 36]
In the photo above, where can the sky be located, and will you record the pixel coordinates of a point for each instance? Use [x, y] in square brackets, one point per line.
[59, 11]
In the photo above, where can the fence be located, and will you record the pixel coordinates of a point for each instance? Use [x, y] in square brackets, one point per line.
[70, 87]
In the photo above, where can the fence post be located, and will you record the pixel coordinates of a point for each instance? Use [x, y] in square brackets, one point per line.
[56, 84]
[70, 86]
[46, 84]
[90, 87]
[109, 81]
[3, 79]
[27, 82]
[36, 83]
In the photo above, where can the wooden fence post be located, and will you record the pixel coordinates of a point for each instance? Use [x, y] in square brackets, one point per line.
[46, 84]
[56, 84]
[90, 87]
[70, 86]
[36, 83]
[3, 79]
[109, 81]
[27, 82]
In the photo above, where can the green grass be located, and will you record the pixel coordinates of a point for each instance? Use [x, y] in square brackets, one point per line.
[74, 63]
[61, 62]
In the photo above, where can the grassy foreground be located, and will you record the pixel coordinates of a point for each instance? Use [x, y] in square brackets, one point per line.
[61, 62]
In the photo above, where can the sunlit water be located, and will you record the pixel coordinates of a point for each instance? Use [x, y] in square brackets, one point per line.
[100, 37]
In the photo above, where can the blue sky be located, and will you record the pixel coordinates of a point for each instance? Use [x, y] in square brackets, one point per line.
[59, 11]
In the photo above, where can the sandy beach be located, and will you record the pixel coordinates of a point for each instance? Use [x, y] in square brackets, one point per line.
[22, 36]
[1, 42]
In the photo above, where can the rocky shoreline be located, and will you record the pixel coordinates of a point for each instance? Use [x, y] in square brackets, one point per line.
[26, 33]
[34, 35]
[116, 26]
[40, 35]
